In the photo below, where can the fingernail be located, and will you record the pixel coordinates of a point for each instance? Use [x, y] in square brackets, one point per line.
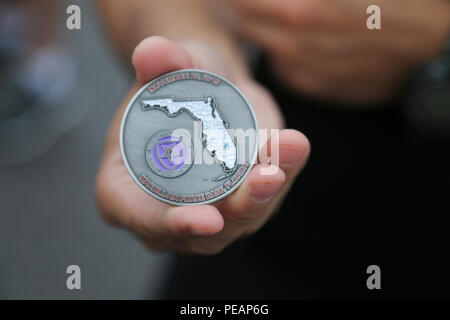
[261, 193]
[290, 154]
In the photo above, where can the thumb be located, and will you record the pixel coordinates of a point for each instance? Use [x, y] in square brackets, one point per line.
[156, 55]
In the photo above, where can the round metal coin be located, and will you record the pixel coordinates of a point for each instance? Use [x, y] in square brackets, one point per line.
[189, 137]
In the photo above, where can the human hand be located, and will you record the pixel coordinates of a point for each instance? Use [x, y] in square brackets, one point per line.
[203, 229]
[323, 48]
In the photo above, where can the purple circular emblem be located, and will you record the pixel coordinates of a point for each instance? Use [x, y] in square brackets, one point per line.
[168, 156]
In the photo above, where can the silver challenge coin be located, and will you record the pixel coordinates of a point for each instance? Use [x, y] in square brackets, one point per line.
[189, 137]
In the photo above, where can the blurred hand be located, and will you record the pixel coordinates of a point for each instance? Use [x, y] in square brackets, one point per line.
[204, 229]
[323, 47]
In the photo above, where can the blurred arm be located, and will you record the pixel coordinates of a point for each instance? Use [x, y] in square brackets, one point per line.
[130, 21]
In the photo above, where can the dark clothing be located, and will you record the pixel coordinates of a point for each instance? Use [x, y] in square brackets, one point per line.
[373, 192]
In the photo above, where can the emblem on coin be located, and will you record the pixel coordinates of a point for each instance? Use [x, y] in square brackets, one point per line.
[189, 137]
[168, 156]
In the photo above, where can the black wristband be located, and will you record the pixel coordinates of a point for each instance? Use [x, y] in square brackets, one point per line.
[427, 97]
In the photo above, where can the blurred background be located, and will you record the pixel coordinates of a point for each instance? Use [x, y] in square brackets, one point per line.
[65, 86]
